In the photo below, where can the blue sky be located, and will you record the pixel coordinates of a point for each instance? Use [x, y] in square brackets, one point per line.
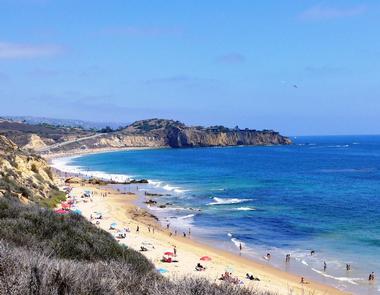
[201, 62]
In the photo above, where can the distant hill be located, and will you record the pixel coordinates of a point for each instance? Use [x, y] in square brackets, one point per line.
[87, 125]
[45, 138]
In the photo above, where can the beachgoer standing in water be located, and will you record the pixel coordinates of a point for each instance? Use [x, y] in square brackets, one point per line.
[175, 251]
[324, 265]
[240, 247]
[137, 229]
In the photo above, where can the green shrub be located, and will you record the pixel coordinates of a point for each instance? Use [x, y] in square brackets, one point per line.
[54, 199]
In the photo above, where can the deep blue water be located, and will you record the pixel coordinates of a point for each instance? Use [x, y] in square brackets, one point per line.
[321, 193]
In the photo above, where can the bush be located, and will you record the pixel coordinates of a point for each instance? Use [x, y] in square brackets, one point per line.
[54, 199]
[45, 253]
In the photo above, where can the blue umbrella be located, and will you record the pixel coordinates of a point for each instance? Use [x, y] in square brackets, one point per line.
[162, 270]
[77, 211]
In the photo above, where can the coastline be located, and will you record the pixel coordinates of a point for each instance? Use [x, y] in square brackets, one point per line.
[121, 207]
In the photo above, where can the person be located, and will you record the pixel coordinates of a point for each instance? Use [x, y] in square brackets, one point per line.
[312, 252]
[175, 232]
[348, 267]
[170, 234]
[371, 276]
[200, 267]
[167, 226]
[189, 232]
[302, 280]
[240, 247]
[175, 251]
[137, 229]
[148, 228]
[287, 258]
[184, 234]
[268, 255]
[324, 265]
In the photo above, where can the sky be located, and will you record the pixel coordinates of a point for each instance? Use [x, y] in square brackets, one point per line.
[298, 67]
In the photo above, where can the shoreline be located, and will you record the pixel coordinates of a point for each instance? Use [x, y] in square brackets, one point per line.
[120, 208]
[76, 153]
[289, 282]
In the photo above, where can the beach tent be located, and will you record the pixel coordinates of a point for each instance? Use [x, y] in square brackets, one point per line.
[113, 225]
[169, 253]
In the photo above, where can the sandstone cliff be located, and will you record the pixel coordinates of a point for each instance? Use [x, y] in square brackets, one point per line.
[23, 175]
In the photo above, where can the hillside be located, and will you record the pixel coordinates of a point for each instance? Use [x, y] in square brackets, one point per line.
[23, 175]
[38, 136]
[42, 252]
[169, 133]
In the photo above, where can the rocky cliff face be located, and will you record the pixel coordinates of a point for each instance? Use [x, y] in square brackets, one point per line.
[23, 175]
[168, 133]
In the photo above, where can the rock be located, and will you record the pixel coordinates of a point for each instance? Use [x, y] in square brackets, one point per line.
[73, 180]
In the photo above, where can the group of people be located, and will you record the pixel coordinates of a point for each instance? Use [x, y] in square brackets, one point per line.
[227, 277]
[371, 276]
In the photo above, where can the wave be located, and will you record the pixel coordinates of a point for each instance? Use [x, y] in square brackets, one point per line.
[167, 187]
[339, 146]
[245, 209]
[342, 279]
[221, 201]
[237, 243]
[65, 165]
[186, 216]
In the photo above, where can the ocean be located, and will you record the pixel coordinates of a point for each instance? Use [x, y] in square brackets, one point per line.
[321, 193]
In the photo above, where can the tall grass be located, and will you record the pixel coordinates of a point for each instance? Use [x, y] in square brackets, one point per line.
[45, 253]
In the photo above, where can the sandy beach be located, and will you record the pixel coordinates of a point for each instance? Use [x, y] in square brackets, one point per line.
[119, 208]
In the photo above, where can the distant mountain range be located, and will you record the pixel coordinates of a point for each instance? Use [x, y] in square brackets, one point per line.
[88, 125]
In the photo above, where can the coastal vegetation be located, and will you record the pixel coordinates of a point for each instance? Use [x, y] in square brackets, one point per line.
[42, 252]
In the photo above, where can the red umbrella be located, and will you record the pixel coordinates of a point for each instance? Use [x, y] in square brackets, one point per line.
[205, 258]
[169, 253]
[61, 211]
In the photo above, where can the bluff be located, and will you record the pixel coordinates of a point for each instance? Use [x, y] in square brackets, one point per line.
[170, 133]
[23, 175]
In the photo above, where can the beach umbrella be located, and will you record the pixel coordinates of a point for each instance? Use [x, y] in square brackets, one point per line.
[162, 270]
[205, 258]
[61, 211]
[113, 225]
[168, 253]
[76, 211]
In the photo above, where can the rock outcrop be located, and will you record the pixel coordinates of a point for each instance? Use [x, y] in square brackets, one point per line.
[22, 174]
[169, 133]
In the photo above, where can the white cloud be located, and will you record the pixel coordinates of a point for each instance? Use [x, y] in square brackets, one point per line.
[327, 13]
[10, 50]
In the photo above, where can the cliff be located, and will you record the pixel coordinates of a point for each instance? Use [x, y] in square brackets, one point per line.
[23, 175]
[169, 133]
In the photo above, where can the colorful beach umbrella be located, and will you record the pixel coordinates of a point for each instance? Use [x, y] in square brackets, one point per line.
[205, 258]
[61, 211]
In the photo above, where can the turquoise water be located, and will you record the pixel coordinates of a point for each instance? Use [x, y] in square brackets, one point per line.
[322, 194]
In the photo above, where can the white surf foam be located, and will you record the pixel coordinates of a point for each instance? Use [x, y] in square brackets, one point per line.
[245, 209]
[220, 201]
[237, 243]
[342, 279]
[65, 165]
